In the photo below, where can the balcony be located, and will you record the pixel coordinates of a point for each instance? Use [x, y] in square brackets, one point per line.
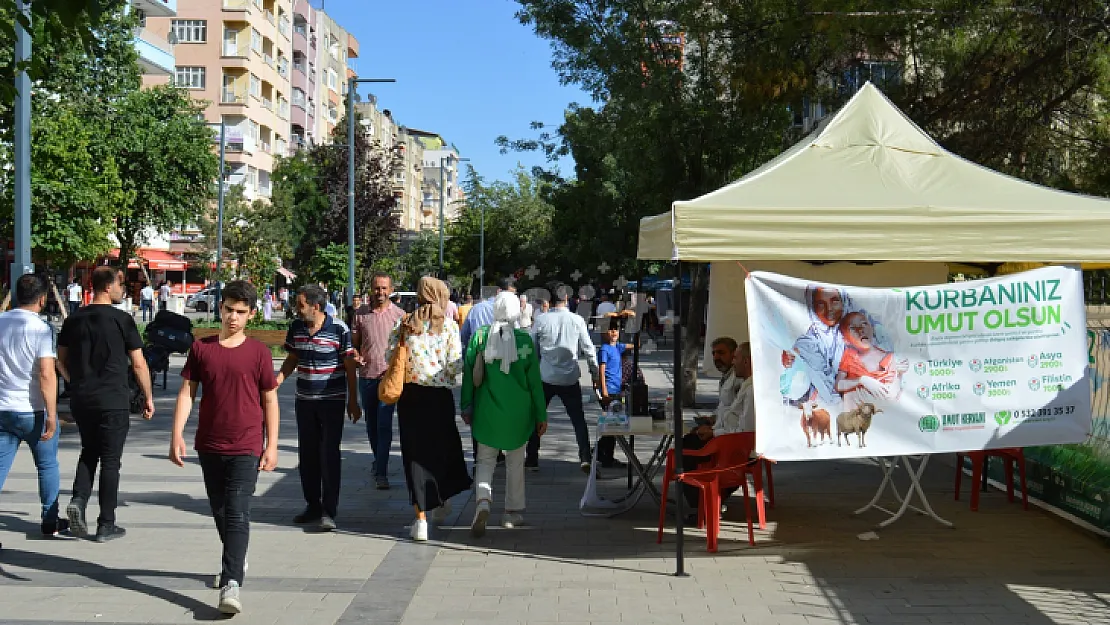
[267, 103]
[156, 8]
[283, 109]
[155, 53]
[283, 67]
[266, 147]
[269, 15]
[284, 26]
[233, 49]
[268, 59]
[237, 5]
[231, 96]
[301, 67]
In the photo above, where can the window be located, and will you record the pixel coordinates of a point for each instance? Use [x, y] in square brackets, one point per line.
[256, 86]
[256, 41]
[190, 31]
[333, 80]
[333, 113]
[333, 47]
[256, 130]
[231, 43]
[189, 77]
[298, 97]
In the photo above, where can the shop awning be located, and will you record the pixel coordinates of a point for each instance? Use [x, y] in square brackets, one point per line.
[289, 275]
[155, 260]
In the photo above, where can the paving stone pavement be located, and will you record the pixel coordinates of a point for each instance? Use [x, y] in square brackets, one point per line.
[999, 566]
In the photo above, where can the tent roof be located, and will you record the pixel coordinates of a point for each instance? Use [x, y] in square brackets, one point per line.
[870, 185]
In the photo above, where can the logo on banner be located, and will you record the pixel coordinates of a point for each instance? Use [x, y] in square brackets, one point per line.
[979, 388]
[1033, 362]
[975, 364]
[928, 423]
[923, 391]
[1002, 417]
[1035, 384]
[919, 368]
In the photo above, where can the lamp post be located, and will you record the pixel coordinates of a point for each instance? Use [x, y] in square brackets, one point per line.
[22, 140]
[443, 162]
[220, 224]
[351, 83]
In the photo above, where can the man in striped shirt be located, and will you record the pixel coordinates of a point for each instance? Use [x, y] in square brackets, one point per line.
[320, 350]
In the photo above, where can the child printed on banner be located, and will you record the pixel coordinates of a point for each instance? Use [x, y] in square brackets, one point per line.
[867, 373]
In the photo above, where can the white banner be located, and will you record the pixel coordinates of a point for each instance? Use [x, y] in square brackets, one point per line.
[843, 372]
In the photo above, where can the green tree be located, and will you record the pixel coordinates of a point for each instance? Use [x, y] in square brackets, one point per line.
[517, 223]
[421, 259]
[166, 163]
[256, 235]
[72, 196]
[312, 187]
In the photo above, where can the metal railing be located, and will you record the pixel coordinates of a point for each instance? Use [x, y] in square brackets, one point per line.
[268, 103]
[233, 97]
[234, 49]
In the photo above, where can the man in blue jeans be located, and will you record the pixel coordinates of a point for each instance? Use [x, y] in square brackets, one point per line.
[370, 335]
[28, 394]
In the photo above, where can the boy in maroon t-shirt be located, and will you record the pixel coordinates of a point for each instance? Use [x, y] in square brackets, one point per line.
[239, 402]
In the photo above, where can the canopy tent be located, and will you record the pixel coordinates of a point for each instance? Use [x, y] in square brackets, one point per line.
[870, 185]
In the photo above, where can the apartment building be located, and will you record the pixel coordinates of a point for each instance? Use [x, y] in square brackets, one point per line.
[335, 51]
[236, 55]
[441, 170]
[305, 88]
[407, 154]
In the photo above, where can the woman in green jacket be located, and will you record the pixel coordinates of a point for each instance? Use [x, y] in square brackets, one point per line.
[502, 400]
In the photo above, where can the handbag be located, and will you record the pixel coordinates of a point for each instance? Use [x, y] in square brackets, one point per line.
[393, 382]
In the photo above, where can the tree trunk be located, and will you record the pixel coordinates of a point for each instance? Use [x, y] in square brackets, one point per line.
[692, 325]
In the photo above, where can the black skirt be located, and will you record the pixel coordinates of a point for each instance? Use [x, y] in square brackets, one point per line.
[431, 448]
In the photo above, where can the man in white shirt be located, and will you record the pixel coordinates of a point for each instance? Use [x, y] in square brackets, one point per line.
[164, 295]
[28, 394]
[735, 413]
[606, 308]
[74, 292]
[525, 312]
[146, 301]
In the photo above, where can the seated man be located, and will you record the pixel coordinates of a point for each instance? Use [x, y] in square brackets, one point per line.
[735, 413]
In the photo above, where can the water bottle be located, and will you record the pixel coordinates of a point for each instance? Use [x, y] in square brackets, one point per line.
[668, 407]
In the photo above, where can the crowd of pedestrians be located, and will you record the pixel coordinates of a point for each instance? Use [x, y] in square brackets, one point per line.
[514, 357]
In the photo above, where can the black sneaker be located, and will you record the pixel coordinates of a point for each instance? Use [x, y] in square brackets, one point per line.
[532, 465]
[75, 511]
[613, 464]
[107, 532]
[58, 527]
[308, 516]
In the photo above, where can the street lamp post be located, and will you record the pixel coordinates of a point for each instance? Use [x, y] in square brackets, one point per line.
[443, 161]
[351, 83]
[22, 140]
[220, 225]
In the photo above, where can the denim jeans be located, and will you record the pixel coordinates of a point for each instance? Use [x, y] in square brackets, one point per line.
[18, 427]
[148, 309]
[379, 423]
[229, 482]
[319, 433]
[571, 396]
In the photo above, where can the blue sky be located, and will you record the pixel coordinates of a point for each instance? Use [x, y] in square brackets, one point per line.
[466, 69]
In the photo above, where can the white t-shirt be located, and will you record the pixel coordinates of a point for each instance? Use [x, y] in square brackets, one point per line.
[147, 293]
[74, 291]
[164, 292]
[525, 317]
[24, 339]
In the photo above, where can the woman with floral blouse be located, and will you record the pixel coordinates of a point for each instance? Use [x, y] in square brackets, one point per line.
[431, 449]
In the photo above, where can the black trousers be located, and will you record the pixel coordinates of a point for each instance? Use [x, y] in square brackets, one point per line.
[229, 482]
[319, 432]
[571, 396]
[103, 433]
[692, 463]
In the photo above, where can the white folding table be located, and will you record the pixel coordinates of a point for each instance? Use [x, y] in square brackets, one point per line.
[888, 466]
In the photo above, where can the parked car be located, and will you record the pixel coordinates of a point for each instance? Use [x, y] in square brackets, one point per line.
[202, 301]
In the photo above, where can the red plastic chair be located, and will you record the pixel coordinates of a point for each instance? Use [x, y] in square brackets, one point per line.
[731, 464]
[1009, 456]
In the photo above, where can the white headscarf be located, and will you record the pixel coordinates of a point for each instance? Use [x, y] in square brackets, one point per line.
[501, 341]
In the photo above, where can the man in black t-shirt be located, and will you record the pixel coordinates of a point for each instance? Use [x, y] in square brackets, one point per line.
[97, 346]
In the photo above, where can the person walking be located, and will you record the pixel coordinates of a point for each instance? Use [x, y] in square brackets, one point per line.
[146, 301]
[482, 312]
[373, 325]
[525, 312]
[74, 293]
[164, 295]
[561, 339]
[28, 394]
[238, 431]
[431, 449]
[464, 309]
[96, 347]
[320, 351]
[504, 405]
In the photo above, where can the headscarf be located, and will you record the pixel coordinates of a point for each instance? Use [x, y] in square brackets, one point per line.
[432, 296]
[501, 341]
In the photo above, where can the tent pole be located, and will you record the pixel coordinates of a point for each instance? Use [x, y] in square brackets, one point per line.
[680, 513]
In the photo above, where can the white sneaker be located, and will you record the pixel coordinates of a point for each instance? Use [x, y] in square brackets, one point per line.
[419, 530]
[229, 599]
[440, 514]
[481, 517]
[216, 579]
[327, 523]
[511, 520]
